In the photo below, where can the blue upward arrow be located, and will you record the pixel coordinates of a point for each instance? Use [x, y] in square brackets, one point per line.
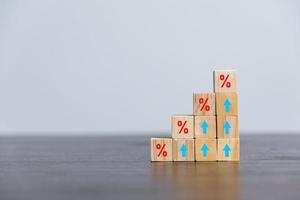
[226, 150]
[183, 150]
[227, 128]
[204, 127]
[204, 150]
[227, 105]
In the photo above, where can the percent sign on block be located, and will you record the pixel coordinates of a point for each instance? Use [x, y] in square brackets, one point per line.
[204, 103]
[183, 127]
[225, 81]
[162, 150]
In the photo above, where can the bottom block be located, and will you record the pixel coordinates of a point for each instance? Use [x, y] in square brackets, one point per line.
[183, 150]
[228, 149]
[161, 149]
[206, 149]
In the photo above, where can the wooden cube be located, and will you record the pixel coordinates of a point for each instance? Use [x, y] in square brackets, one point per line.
[225, 81]
[205, 127]
[161, 149]
[183, 150]
[182, 126]
[227, 103]
[204, 104]
[228, 149]
[227, 127]
[206, 149]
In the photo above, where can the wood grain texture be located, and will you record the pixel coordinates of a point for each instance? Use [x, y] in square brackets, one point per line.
[177, 153]
[201, 107]
[220, 86]
[93, 167]
[158, 148]
[230, 98]
[230, 122]
[181, 123]
[208, 145]
[234, 149]
[210, 122]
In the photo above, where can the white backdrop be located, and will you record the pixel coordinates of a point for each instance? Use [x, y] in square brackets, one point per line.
[127, 66]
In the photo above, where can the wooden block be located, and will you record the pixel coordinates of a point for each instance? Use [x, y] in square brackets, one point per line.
[161, 149]
[183, 126]
[205, 127]
[227, 127]
[206, 149]
[228, 149]
[204, 104]
[183, 150]
[225, 81]
[227, 103]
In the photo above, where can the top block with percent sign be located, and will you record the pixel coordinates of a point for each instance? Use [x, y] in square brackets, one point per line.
[204, 104]
[182, 126]
[225, 81]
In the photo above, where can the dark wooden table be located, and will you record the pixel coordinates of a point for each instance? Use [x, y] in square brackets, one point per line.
[91, 167]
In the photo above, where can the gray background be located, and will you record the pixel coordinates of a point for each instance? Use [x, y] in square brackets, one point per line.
[110, 67]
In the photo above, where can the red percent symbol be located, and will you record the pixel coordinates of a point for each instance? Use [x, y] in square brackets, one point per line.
[204, 104]
[182, 127]
[225, 81]
[161, 150]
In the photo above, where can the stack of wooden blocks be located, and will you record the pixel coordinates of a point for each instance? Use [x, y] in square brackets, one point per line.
[211, 133]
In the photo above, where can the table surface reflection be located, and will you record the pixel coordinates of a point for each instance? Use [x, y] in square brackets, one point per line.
[98, 167]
